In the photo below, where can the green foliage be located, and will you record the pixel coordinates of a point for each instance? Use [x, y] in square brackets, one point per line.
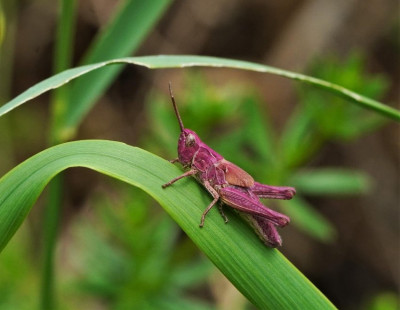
[384, 301]
[122, 37]
[203, 108]
[18, 275]
[133, 260]
[332, 115]
[330, 181]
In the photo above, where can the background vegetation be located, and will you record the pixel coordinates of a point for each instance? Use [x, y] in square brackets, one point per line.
[116, 248]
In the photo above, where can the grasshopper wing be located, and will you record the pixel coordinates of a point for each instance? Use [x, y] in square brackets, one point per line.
[264, 229]
[235, 175]
[240, 200]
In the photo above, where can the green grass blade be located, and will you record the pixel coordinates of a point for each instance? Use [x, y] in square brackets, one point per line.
[65, 35]
[262, 274]
[305, 217]
[331, 181]
[176, 61]
[121, 38]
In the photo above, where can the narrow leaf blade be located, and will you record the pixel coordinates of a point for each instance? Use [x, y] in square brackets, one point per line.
[120, 38]
[330, 181]
[182, 61]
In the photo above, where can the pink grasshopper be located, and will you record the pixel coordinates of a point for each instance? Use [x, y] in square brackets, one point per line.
[230, 185]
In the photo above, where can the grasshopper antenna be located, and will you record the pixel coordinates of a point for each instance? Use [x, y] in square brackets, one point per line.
[175, 108]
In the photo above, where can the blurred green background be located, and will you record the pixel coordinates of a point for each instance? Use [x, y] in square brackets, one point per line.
[116, 249]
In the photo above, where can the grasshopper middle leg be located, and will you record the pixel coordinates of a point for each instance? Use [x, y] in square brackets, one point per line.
[215, 195]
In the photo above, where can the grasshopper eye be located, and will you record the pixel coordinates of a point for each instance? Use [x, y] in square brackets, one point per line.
[190, 140]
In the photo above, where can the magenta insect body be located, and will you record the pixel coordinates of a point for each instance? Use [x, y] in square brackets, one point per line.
[230, 185]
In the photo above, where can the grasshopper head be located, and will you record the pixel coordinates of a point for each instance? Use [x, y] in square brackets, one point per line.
[188, 144]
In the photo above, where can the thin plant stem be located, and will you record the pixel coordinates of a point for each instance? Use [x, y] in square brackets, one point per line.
[50, 230]
[62, 61]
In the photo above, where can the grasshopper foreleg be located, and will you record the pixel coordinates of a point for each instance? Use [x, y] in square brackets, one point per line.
[186, 174]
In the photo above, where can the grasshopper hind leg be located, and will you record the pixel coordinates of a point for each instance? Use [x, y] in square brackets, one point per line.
[221, 211]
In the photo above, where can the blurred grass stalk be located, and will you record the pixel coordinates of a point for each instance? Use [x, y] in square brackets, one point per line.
[7, 38]
[62, 60]
[121, 37]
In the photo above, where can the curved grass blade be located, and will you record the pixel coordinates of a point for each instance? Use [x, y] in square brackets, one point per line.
[182, 61]
[122, 37]
[262, 274]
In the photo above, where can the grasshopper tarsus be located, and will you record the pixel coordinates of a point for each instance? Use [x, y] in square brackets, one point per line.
[173, 161]
[203, 216]
[221, 211]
